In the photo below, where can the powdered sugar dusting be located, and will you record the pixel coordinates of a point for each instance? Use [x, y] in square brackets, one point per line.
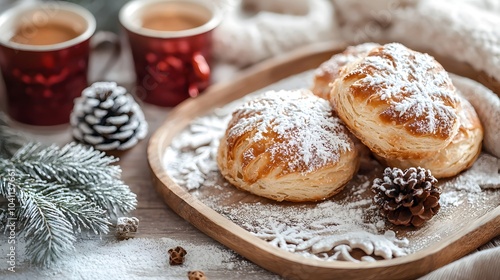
[136, 258]
[315, 230]
[479, 176]
[280, 119]
[336, 62]
[419, 91]
[330, 70]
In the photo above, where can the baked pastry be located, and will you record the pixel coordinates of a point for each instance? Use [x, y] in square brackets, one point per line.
[287, 145]
[329, 70]
[459, 155]
[400, 103]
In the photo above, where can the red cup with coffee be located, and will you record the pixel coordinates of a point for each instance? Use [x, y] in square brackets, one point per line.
[171, 44]
[44, 53]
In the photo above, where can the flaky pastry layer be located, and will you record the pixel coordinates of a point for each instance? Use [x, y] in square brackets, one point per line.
[287, 145]
[400, 103]
[329, 70]
[459, 155]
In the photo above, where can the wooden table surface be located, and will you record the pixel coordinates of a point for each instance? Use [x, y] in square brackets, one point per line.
[157, 220]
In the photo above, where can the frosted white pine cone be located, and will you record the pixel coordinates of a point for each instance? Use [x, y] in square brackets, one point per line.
[126, 227]
[107, 117]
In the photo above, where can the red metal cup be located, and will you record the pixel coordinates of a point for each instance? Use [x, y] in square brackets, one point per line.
[42, 80]
[170, 66]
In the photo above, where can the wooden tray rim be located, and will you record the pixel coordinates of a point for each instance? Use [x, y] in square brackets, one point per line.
[262, 253]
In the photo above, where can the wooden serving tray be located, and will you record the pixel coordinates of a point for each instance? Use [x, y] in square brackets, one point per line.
[468, 237]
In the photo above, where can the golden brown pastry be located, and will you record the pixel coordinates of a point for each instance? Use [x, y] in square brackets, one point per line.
[459, 155]
[400, 103]
[329, 70]
[287, 145]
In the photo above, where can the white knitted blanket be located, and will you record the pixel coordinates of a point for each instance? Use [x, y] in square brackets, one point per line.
[465, 30]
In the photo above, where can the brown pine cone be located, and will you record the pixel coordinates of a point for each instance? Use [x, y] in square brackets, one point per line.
[407, 198]
[176, 255]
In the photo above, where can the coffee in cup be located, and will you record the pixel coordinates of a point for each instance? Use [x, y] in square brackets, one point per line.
[171, 45]
[173, 19]
[44, 54]
[47, 34]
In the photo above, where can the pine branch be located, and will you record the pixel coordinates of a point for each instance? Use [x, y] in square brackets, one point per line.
[81, 169]
[114, 195]
[49, 235]
[61, 192]
[10, 141]
[50, 215]
[83, 214]
[71, 164]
